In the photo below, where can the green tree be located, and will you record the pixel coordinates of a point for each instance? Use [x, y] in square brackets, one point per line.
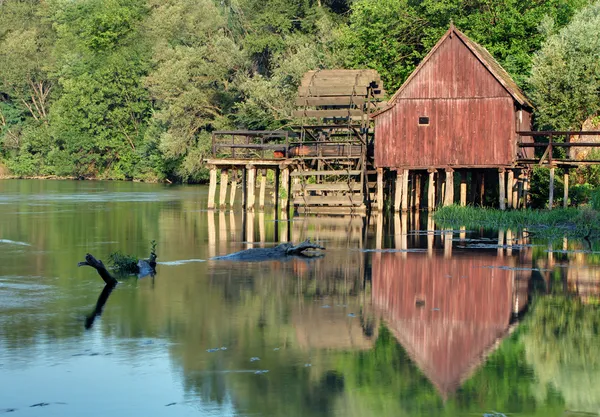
[565, 78]
[99, 120]
[195, 58]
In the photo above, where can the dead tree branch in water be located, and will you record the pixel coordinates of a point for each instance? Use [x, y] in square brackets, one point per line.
[100, 268]
[102, 299]
[265, 254]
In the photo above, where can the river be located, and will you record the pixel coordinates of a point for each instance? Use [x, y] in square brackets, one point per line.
[397, 318]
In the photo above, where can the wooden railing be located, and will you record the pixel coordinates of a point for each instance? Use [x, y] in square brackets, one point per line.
[250, 144]
[556, 140]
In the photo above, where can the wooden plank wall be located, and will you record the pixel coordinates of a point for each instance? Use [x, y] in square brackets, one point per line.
[471, 116]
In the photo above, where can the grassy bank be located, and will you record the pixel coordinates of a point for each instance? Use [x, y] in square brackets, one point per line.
[572, 222]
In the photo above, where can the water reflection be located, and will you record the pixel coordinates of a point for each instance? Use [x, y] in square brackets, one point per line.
[398, 317]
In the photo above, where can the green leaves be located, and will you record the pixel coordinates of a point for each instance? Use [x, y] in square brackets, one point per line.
[565, 78]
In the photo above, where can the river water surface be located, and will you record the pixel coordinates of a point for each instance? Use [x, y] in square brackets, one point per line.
[396, 319]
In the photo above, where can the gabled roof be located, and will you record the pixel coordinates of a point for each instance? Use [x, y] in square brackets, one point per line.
[482, 55]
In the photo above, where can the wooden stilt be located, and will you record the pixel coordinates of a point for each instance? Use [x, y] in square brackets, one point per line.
[515, 190]
[251, 185]
[481, 188]
[244, 189]
[405, 191]
[431, 190]
[526, 184]
[501, 186]
[276, 190]
[566, 191]
[234, 176]
[463, 188]
[398, 191]
[223, 188]
[285, 189]
[379, 203]
[509, 188]
[263, 187]
[212, 187]
[417, 203]
[441, 185]
[551, 189]
[449, 194]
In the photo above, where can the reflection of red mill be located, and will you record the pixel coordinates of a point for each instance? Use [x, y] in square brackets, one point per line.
[447, 313]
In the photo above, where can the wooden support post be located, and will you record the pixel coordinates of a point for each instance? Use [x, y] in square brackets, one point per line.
[551, 189]
[223, 188]
[526, 185]
[417, 202]
[398, 191]
[244, 189]
[379, 203]
[449, 195]
[285, 189]
[441, 185]
[509, 188]
[234, 176]
[212, 187]
[276, 190]
[501, 186]
[405, 190]
[515, 190]
[431, 190]
[566, 191]
[250, 187]
[263, 187]
[463, 188]
[481, 188]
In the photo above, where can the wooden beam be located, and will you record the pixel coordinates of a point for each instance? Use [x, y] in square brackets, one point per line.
[329, 200]
[212, 187]
[405, 190]
[566, 190]
[379, 199]
[223, 188]
[526, 180]
[502, 188]
[398, 191]
[324, 114]
[417, 203]
[337, 186]
[509, 188]
[449, 195]
[551, 189]
[463, 188]
[263, 187]
[285, 188]
[234, 177]
[515, 190]
[250, 187]
[330, 101]
[331, 173]
[431, 191]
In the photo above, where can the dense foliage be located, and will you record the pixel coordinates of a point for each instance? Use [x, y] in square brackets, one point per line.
[132, 89]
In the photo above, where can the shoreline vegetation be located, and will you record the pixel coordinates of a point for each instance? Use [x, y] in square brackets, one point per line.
[133, 89]
[582, 222]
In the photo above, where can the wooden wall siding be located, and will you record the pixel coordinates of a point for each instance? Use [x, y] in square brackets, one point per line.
[461, 132]
[467, 308]
[453, 71]
[472, 117]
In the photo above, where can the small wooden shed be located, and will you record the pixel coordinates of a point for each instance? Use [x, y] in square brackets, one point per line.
[458, 108]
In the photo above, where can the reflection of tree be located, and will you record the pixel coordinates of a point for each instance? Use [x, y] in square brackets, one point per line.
[562, 345]
[385, 382]
[102, 299]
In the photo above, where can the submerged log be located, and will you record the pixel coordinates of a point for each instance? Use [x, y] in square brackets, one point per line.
[264, 254]
[100, 268]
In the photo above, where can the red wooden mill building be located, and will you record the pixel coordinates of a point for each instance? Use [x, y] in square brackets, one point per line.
[457, 115]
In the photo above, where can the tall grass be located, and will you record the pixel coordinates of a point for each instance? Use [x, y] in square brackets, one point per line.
[571, 222]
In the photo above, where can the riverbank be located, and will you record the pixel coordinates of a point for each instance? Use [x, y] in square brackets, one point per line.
[571, 222]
